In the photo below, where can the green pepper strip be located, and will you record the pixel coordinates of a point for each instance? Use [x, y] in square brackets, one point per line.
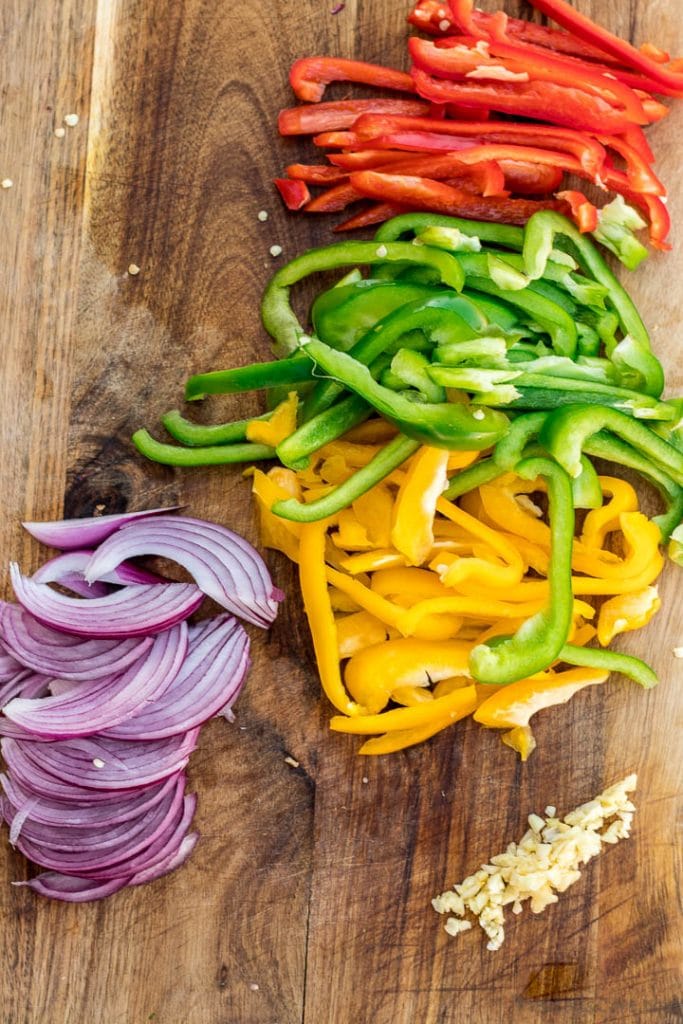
[384, 462]
[567, 430]
[539, 240]
[280, 320]
[295, 450]
[466, 480]
[445, 425]
[443, 312]
[542, 391]
[196, 435]
[253, 377]
[538, 642]
[611, 661]
[413, 223]
[217, 455]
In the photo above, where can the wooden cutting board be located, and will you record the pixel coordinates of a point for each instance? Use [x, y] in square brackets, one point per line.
[308, 897]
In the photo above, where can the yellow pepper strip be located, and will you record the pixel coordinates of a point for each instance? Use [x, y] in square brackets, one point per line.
[287, 479]
[411, 696]
[313, 581]
[357, 631]
[374, 431]
[500, 507]
[341, 602]
[402, 738]
[533, 555]
[313, 493]
[583, 635]
[351, 535]
[335, 470]
[374, 510]
[484, 571]
[461, 460]
[412, 531]
[600, 521]
[275, 532]
[280, 425]
[520, 739]
[626, 612]
[365, 598]
[355, 455]
[448, 685]
[447, 709]
[514, 705]
[371, 561]
[373, 675]
[410, 620]
[642, 538]
[418, 583]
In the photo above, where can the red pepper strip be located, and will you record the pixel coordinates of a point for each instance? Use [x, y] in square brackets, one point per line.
[583, 27]
[638, 171]
[365, 159]
[543, 101]
[295, 194]
[485, 175]
[316, 174]
[655, 110]
[375, 214]
[584, 147]
[654, 53]
[434, 196]
[658, 216]
[335, 140]
[635, 136]
[461, 112]
[309, 76]
[329, 117]
[458, 56]
[585, 215]
[530, 179]
[333, 199]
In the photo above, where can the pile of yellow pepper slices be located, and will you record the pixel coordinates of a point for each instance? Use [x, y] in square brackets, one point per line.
[400, 586]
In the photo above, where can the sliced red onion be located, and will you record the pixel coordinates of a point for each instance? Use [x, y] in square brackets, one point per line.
[67, 534]
[93, 707]
[132, 611]
[67, 570]
[24, 684]
[120, 807]
[223, 565]
[71, 889]
[65, 768]
[173, 861]
[9, 666]
[59, 654]
[210, 678]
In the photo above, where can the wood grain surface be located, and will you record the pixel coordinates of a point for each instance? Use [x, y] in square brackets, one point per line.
[307, 899]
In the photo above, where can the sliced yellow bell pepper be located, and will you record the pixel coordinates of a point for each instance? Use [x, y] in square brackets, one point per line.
[275, 532]
[280, 425]
[411, 696]
[418, 583]
[446, 709]
[312, 576]
[372, 561]
[496, 575]
[410, 620]
[351, 535]
[412, 531]
[626, 612]
[402, 738]
[357, 631]
[375, 511]
[372, 676]
[374, 431]
[520, 739]
[600, 521]
[513, 705]
[355, 455]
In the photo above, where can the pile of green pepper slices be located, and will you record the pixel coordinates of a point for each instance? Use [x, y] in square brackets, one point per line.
[466, 336]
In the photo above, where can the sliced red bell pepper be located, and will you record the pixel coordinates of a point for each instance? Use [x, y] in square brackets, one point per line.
[309, 76]
[365, 159]
[530, 179]
[654, 53]
[295, 194]
[585, 148]
[327, 117]
[316, 174]
[542, 101]
[486, 175]
[638, 171]
[587, 30]
[335, 140]
[465, 57]
[377, 213]
[333, 199]
[635, 137]
[658, 216]
[424, 194]
[584, 213]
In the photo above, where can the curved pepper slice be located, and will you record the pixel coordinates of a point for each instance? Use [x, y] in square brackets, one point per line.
[451, 708]
[626, 612]
[280, 425]
[512, 706]
[309, 76]
[412, 530]
[538, 642]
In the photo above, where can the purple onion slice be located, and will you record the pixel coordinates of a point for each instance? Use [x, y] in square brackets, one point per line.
[224, 566]
[70, 889]
[133, 611]
[173, 861]
[210, 678]
[24, 684]
[59, 654]
[67, 534]
[104, 702]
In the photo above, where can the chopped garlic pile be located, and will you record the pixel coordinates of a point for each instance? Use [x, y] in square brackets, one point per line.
[545, 861]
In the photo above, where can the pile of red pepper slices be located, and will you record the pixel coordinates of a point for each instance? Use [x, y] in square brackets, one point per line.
[501, 110]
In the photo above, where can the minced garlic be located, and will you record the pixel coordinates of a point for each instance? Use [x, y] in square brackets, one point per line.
[544, 862]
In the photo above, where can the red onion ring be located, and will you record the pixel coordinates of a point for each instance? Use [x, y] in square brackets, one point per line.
[224, 566]
[71, 889]
[133, 611]
[67, 534]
